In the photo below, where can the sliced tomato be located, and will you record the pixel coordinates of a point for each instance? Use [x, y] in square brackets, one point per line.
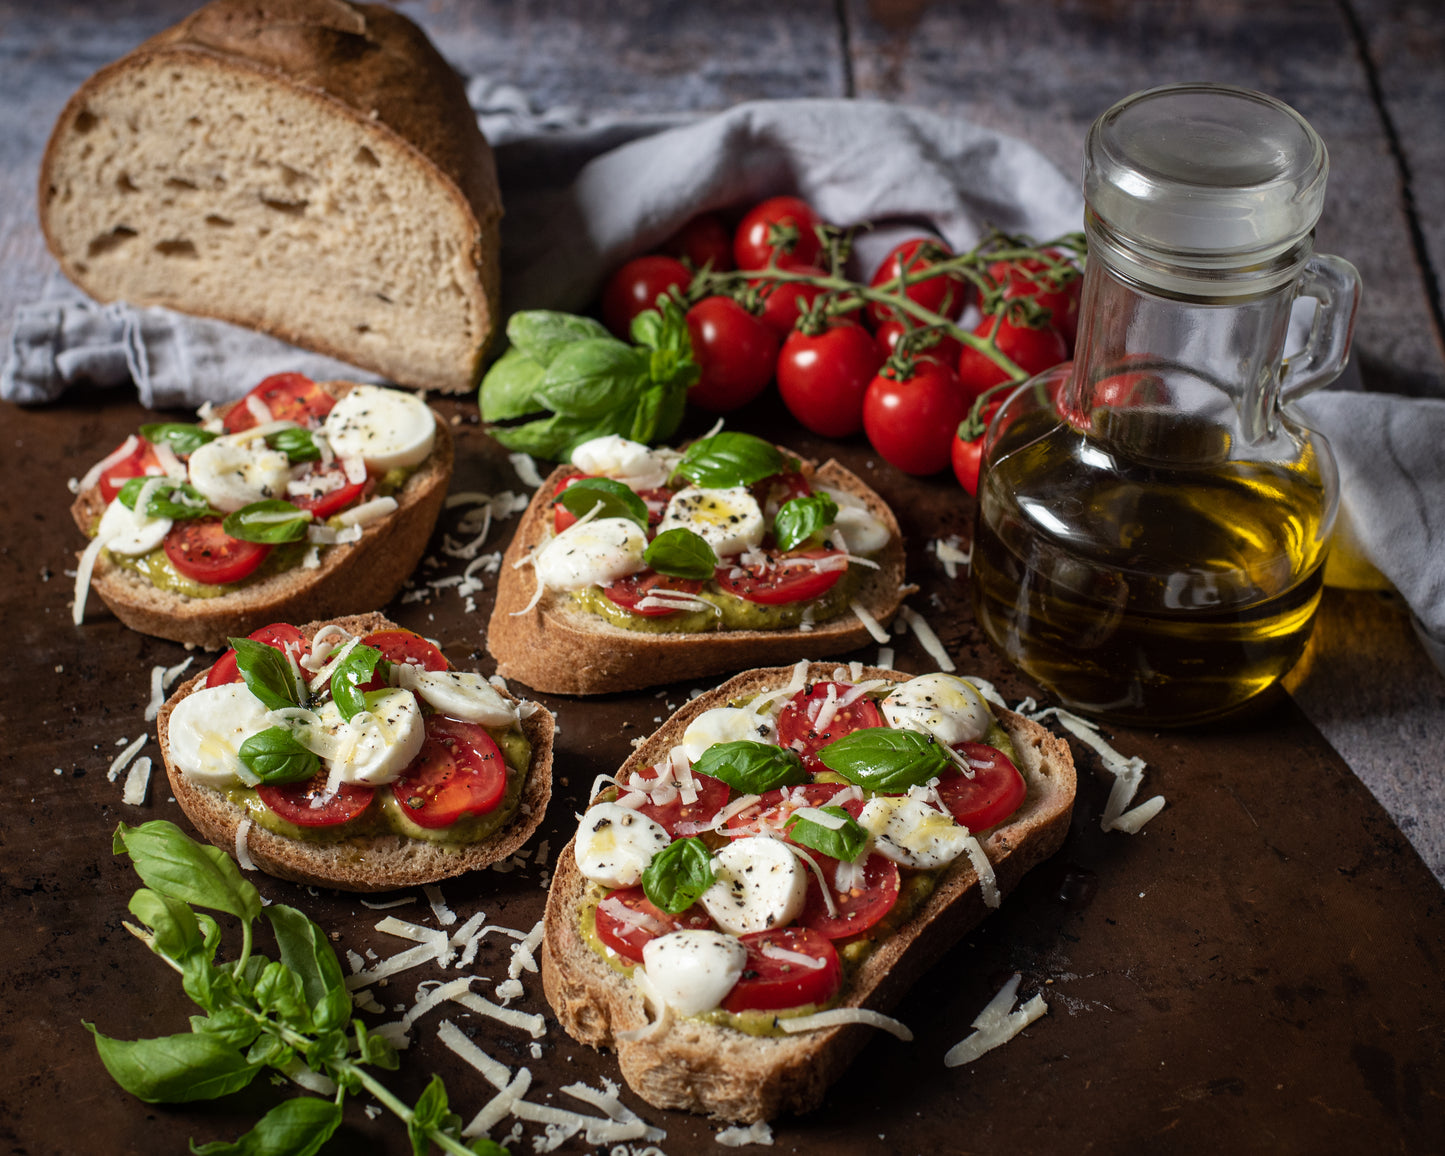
[562, 517]
[407, 646]
[301, 803]
[858, 908]
[770, 814]
[288, 397]
[139, 463]
[280, 635]
[797, 721]
[628, 592]
[783, 579]
[770, 983]
[680, 818]
[328, 492]
[204, 552]
[459, 772]
[994, 793]
[771, 493]
[628, 935]
[654, 499]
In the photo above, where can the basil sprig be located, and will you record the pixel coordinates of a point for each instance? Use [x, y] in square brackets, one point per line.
[801, 518]
[886, 760]
[260, 1013]
[261, 522]
[274, 756]
[752, 767]
[175, 500]
[267, 674]
[351, 674]
[729, 459]
[296, 443]
[846, 842]
[680, 553]
[184, 438]
[678, 875]
[615, 498]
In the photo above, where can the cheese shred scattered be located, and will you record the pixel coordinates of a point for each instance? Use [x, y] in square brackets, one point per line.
[996, 1024]
[838, 1016]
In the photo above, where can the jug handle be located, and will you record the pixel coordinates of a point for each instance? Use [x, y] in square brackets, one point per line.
[1334, 283]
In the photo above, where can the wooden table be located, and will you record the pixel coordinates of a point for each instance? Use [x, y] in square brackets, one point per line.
[1260, 969]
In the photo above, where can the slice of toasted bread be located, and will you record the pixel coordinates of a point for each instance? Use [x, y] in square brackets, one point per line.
[369, 863]
[560, 648]
[701, 1067]
[352, 577]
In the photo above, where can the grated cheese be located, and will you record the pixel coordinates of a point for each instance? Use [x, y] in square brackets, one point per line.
[987, 881]
[533, 1025]
[1128, 774]
[368, 512]
[526, 469]
[243, 851]
[996, 1024]
[927, 638]
[737, 1136]
[92, 475]
[122, 760]
[838, 1016]
[444, 914]
[870, 623]
[493, 1071]
[136, 782]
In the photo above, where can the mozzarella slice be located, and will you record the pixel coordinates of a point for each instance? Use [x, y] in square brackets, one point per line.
[759, 884]
[863, 533]
[631, 462]
[912, 833]
[207, 729]
[947, 707]
[615, 844]
[124, 531]
[591, 554]
[232, 472]
[458, 694]
[725, 724]
[390, 429]
[729, 520]
[693, 970]
[374, 747]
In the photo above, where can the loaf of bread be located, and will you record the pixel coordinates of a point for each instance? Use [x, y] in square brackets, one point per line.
[308, 168]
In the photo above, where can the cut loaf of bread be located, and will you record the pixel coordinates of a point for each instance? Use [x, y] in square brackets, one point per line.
[352, 577]
[308, 168]
[701, 1067]
[560, 648]
[369, 863]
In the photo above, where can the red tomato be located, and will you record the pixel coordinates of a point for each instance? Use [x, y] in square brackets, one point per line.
[655, 501]
[288, 397]
[782, 225]
[785, 301]
[791, 578]
[681, 818]
[139, 463]
[298, 802]
[932, 346]
[407, 646]
[966, 457]
[944, 294]
[912, 422]
[769, 983]
[1032, 350]
[993, 794]
[1052, 292]
[703, 241]
[323, 501]
[279, 635]
[204, 552]
[857, 909]
[635, 288]
[822, 377]
[770, 814]
[772, 492]
[734, 349]
[628, 592]
[797, 721]
[628, 935]
[459, 772]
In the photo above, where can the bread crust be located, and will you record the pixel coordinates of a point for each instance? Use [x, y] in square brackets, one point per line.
[727, 1074]
[371, 863]
[559, 649]
[352, 578]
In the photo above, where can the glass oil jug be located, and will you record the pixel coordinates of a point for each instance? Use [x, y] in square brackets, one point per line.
[1152, 517]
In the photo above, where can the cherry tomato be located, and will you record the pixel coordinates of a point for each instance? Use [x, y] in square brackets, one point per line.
[785, 301]
[680, 818]
[797, 721]
[203, 552]
[786, 226]
[1032, 350]
[945, 295]
[139, 463]
[655, 500]
[628, 592]
[772, 492]
[703, 241]
[911, 421]
[993, 794]
[459, 772]
[288, 397]
[635, 288]
[793, 578]
[933, 345]
[858, 908]
[279, 635]
[770, 983]
[628, 935]
[298, 802]
[822, 377]
[407, 646]
[770, 814]
[329, 492]
[734, 349]
[966, 457]
[1058, 295]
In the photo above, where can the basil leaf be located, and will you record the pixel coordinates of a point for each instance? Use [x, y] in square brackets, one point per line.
[430, 1112]
[729, 459]
[267, 673]
[541, 334]
[174, 1069]
[295, 1127]
[664, 328]
[846, 842]
[354, 671]
[615, 498]
[184, 438]
[591, 378]
[801, 518]
[307, 952]
[752, 767]
[279, 990]
[175, 932]
[887, 760]
[553, 437]
[170, 863]
[680, 553]
[678, 875]
[175, 500]
[296, 443]
[270, 520]
[275, 756]
[510, 386]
